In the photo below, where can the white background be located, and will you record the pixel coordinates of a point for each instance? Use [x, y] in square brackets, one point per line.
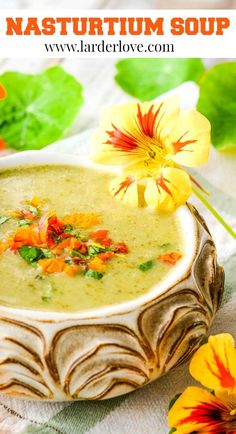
[185, 46]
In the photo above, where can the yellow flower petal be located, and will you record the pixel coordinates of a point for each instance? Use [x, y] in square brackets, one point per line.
[214, 364]
[228, 396]
[169, 190]
[123, 118]
[166, 113]
[190, 139]
[169, 113]
[125, 188]
[198, 410]
[133, 131]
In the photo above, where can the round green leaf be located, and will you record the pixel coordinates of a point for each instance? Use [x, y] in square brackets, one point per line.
[217, 101]
[38, 108]
[146, 79]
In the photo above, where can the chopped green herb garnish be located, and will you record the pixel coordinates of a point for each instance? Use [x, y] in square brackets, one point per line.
[95, 250]
[45, 298]
[4, 219]
[48, 290]
[68, 261]
[145, 266]
[94, 274]
[47, 253]
[165, 247]
[33, 209]
[77, 254]
[68, 229]
[24, 222]
[31, 254]
[39, 277]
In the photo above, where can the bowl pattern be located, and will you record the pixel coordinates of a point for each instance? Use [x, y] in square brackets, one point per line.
[98, 358]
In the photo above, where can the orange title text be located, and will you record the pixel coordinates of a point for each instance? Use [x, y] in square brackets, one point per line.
[115, 26]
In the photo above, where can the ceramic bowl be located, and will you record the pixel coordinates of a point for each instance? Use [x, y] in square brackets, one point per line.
[105, 352]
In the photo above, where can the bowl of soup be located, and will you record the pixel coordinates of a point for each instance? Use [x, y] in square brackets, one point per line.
[97, 298]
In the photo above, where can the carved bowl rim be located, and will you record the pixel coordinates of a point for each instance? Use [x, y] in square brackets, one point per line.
[187, 221]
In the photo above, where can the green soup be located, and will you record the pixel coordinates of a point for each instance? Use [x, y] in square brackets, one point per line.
[151, 239]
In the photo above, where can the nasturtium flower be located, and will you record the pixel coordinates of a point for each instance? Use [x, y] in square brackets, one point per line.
[153, 142]
[198, 410]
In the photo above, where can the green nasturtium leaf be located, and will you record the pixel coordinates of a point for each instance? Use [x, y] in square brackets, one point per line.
[38, 108]
[146, 79]
[31, 254]
[217, 101]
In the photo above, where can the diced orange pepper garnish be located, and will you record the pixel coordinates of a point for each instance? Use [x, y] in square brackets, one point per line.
[66, 235]
[83, 249]
[71, 243]
[170, 258]
[65, 243]
[52, 265]
[26, 236]
[106, 242]
[121, 248]
[82, 220]
[106, 256]
[96, 264]
[71, 270]
[76, 244]
[101, 236]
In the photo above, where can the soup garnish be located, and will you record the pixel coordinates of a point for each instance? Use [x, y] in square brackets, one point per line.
[57, 245]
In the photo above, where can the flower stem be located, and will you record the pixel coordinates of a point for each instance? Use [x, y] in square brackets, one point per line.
[214, 212]
[199, 185]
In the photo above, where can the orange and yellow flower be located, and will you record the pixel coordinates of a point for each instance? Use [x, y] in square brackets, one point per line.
[197, 410]
[153, 142]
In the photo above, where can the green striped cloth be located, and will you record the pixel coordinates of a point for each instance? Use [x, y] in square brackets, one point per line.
[145, 410]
